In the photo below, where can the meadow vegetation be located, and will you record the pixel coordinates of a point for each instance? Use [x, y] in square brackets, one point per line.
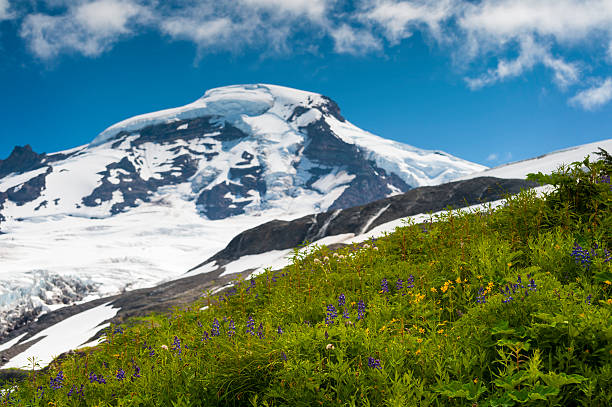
[502, 307]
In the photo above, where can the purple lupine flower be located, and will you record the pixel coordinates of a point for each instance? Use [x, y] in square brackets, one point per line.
[374, 363]
[215, 328]
[345, 314]
[117, 330]
[581, 256]
[341, 300]
[121, 374]
[176, 345]
[279, 330]
[260, 332]
[384, 285]
[56, 382]
[232, 328]
[399, 285]
[360, 309]
[331, 314]
[326, 335]
[284, 356]
[588, 299]
[136, 371]
[480, 299]
[410, 282]
[250, 325]
[151, 352]
[205, 336]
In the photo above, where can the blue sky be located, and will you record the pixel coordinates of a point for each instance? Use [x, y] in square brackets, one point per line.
[491, 81]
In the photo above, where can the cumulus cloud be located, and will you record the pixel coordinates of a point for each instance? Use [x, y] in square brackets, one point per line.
[88, 28]
[594, 97]
[5, 12]
[489, 41]
[350, 41]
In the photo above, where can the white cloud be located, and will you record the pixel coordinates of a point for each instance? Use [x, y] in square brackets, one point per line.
[492, 157]
[594, 97]
[530, 53]
[88, 28]
[315, 9]
[489, 41]
[356, 42]
[400, 18]
[5, 12]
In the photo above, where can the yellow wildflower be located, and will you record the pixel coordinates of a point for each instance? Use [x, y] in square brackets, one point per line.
[458, 280]
[607, 282]
[419, 340]
[417, 352]
[433, 290]
[421, 330]
[440, 331]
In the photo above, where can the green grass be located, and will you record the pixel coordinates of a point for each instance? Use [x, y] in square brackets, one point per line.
[448, 336]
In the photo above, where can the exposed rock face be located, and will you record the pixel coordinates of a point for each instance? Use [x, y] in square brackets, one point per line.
[22, 159]
[277, 235]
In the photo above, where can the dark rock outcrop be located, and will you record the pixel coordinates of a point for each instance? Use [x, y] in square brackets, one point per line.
[278, 235]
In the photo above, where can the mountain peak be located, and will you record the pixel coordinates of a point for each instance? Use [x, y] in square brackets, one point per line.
[229, 103]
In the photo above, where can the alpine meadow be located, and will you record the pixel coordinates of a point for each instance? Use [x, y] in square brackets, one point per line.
[497, 307]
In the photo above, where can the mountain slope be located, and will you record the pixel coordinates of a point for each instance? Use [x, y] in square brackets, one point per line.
[155, 194]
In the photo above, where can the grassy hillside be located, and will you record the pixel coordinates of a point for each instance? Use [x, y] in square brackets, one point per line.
[499, 308]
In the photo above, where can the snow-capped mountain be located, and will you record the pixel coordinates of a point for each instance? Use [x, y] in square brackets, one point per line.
[153, 195]
[238, 149]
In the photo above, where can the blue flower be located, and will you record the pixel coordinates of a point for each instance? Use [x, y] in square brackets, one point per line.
[410, 282]
[384, 285]
[341, 300]
[215, 328]
[232, 328]
[279, 330]
[331, 314]
[360, 309]
[374, 363]
[176, 346]
[249, 326]
[260, 332]
[121, 374]
[57, 382]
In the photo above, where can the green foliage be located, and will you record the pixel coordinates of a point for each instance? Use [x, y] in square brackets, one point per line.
[500, 307]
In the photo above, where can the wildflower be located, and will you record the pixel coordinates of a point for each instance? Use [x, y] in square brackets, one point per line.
[384, 285]
[582, 256]
[440, 331]
[176, 345]
[588, 299]
[164, 347]
[458, 280]
[118, 330]
[410, 282]
[433, 290]
[215, 328]
[93, 378]
[120, 374]
[341, 300]
[399, 285]
[205, 336]
[326, 335]
[480, 299]
[232, 328]
[361, 309]
[419, 340]
[329, 346]
[345, 314]
[279, 330]
[421, 330]
[249, 326]
[317, 261]
[151, 352]
[260, 332]
[284, 356]
[374, 363]
[56, 382]
[136, 373]
[331, 314]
